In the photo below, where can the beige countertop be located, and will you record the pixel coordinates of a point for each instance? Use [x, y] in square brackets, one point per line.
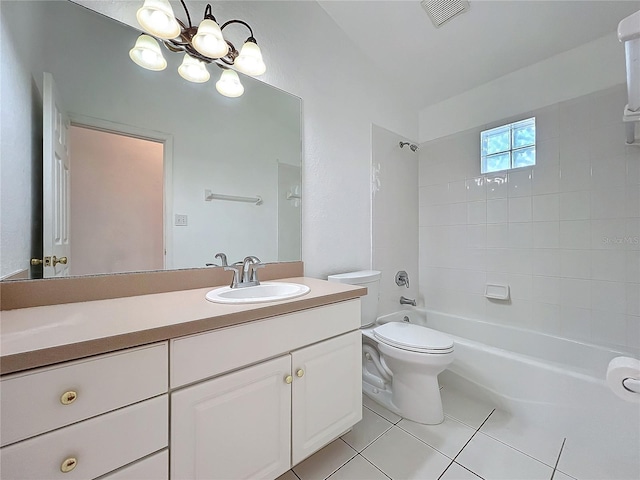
[39, 336]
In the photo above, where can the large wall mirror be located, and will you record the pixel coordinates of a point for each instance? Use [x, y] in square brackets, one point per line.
[163, 173]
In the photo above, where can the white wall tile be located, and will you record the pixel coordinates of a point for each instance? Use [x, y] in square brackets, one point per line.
[476, 189]
[575, 175]
[477, 236]
[632, 201]
[520, 286]
[546, 317]
[497, 259]
[575, 234]
[575, 205]
[633, 168]
[457, 214]
[608, 171]
[545, 179]
[546, 262]
[608, 296]
[520, 209]
[497, 186]
[498, 235]
[520, 235]
[546, 208]
[519, 184]
[433, 194]
[575, 293]
[497, 210]
[608, 202]
[608, 265]
[477, 212]
[547, 151]
[546, 234]
[457, 192]
[575, 263]
[520, 260]
[633, 331]
[546, 290]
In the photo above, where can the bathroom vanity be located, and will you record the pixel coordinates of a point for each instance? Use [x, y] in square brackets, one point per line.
[214, 391]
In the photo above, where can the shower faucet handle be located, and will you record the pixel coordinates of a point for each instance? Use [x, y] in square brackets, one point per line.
[402, 278]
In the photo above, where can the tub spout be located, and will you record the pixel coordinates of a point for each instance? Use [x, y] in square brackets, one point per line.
[407, 301]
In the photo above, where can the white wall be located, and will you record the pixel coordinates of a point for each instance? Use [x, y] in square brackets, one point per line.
[588, 68]
[564, 234]
[21, 103]
[395, 217]
[116, 193]
[309, 56]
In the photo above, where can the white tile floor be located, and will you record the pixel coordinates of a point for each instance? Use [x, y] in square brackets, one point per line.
[475, 441]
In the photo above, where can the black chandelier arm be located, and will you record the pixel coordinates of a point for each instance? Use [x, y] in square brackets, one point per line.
[186, 11]
[243, 23]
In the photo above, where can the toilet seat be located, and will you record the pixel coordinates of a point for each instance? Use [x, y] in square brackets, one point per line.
[413, 338]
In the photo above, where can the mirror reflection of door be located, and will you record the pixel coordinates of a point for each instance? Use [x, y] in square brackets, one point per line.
[56, 181]
[116, 202]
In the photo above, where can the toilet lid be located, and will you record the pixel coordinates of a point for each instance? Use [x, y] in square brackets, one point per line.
[413, 337]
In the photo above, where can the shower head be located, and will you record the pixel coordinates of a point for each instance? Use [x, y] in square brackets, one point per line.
[412, 146]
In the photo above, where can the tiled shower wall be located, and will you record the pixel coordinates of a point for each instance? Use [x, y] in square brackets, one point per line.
[564, 234]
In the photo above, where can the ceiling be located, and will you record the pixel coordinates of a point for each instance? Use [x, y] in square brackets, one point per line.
[492, 39]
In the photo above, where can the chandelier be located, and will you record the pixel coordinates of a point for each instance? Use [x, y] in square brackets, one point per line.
[201, 45]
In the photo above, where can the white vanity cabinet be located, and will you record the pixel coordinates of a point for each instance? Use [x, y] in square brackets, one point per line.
[99, 414]
[259, 421]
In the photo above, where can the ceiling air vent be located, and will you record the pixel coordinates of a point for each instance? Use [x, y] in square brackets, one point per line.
[441, 11]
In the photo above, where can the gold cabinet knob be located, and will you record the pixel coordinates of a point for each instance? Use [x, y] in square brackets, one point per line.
[68, 465]
[300, 373]
[288, 379]
[36, 261]
[69, 397]
[55, 260]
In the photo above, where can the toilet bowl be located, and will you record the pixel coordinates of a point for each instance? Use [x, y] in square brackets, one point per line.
[401, 361]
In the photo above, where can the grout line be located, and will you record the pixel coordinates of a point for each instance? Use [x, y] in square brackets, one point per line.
[375, 466]
[555, 467]
[445, 470]
[474, 434]
[382, 416]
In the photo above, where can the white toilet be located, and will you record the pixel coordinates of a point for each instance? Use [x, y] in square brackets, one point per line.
[400, 361]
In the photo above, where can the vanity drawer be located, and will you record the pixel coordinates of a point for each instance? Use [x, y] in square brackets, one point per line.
[208, 354]
[96, 446]
[38, 401]
[155, 467]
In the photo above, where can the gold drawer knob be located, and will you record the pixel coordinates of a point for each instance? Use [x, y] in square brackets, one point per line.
[300, 373]
[69, 397]
[68, 465]
[288, 379]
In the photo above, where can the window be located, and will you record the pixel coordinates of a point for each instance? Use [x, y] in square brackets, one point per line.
[508, 146]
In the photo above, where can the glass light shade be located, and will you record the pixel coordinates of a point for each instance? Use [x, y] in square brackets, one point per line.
[250, 60]
[193, 70]
[229, 84]
[156, 17]
[146, 53]
[208, 40]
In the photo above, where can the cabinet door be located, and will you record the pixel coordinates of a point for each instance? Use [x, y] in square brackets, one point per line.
[234, 426]
[327, 392]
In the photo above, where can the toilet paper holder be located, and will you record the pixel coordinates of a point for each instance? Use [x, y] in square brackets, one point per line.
[631, 384]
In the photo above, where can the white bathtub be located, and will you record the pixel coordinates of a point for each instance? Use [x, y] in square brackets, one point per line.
[547, 382]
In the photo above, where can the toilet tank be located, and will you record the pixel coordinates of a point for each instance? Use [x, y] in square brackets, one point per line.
[365, 278]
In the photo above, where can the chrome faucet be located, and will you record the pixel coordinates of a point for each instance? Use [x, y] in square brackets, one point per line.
[245, 273]
[407, 301]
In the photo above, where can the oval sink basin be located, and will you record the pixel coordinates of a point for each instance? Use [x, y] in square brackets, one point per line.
[265, 292]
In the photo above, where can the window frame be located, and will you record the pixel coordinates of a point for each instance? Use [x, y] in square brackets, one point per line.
[510, 128]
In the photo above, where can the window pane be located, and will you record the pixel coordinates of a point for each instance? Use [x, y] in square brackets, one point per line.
[496, 140]
[524, 157]
[494, 163]
[524, 135]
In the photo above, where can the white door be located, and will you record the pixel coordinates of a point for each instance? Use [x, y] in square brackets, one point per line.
[237, 426]
[55, 173]
[327, 392]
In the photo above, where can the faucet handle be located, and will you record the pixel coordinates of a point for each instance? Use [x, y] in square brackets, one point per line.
[236, 274]
[402, 278]
[254, 272]
[223, 259]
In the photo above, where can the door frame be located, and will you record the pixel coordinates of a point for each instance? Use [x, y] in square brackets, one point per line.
[84, 121]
